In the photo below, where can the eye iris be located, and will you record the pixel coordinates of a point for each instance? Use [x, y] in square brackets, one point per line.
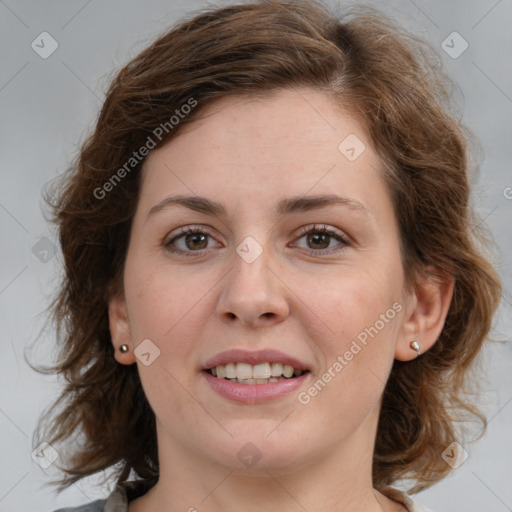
[319, 239]
[196, 237]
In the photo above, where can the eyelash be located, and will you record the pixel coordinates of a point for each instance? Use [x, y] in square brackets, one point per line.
[316, 228]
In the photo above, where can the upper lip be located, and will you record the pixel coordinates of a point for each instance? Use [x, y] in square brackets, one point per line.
[253, 357]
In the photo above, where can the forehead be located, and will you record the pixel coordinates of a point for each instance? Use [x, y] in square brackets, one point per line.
[288, 122]
[292, 142]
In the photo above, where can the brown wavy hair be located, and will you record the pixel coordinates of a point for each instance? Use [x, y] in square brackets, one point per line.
[394, 83]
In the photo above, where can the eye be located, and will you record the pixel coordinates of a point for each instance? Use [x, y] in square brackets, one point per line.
[193, 240]
[188, 240]
[319, 239]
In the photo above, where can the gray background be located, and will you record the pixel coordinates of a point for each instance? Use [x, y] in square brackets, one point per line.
[48, 106]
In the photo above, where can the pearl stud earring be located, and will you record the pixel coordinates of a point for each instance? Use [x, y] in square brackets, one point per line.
[415, 346]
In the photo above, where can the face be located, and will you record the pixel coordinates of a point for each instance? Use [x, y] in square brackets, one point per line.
[289, 258]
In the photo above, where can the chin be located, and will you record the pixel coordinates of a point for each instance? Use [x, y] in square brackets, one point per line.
[252, 454]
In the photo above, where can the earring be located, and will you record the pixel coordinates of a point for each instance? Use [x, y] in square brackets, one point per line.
[415, 346]
[123, 348]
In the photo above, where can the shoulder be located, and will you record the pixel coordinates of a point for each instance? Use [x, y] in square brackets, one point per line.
[118, 500]
[416, 507]
[95, 506]
[404, 499]
[413, 506]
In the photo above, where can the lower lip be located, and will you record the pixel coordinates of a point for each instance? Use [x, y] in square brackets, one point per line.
[254, 393]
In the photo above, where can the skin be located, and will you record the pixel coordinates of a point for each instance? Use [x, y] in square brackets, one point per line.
[249, 154]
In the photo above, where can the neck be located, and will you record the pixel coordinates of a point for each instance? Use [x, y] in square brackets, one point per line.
[338, 480]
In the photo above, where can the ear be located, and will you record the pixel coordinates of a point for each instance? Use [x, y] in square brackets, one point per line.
[120, 329]
[426, 314]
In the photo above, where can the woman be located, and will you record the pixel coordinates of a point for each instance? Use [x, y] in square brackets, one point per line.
[273, 287]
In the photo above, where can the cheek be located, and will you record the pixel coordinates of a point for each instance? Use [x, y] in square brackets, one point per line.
[170, 308]
[152, 299]
[351, 301]
[356, 360]
[361, 314]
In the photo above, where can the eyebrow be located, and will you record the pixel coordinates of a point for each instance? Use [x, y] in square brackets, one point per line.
[290, 205]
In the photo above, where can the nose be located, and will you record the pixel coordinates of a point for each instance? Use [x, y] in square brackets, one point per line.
[253, 294]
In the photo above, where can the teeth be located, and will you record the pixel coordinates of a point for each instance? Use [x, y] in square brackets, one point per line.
[230, 371]
[243, 371]
[276, 370]
[287, 371]
[262, 373]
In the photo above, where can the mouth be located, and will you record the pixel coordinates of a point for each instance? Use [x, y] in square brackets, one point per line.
[262, 373]
[254, 377]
